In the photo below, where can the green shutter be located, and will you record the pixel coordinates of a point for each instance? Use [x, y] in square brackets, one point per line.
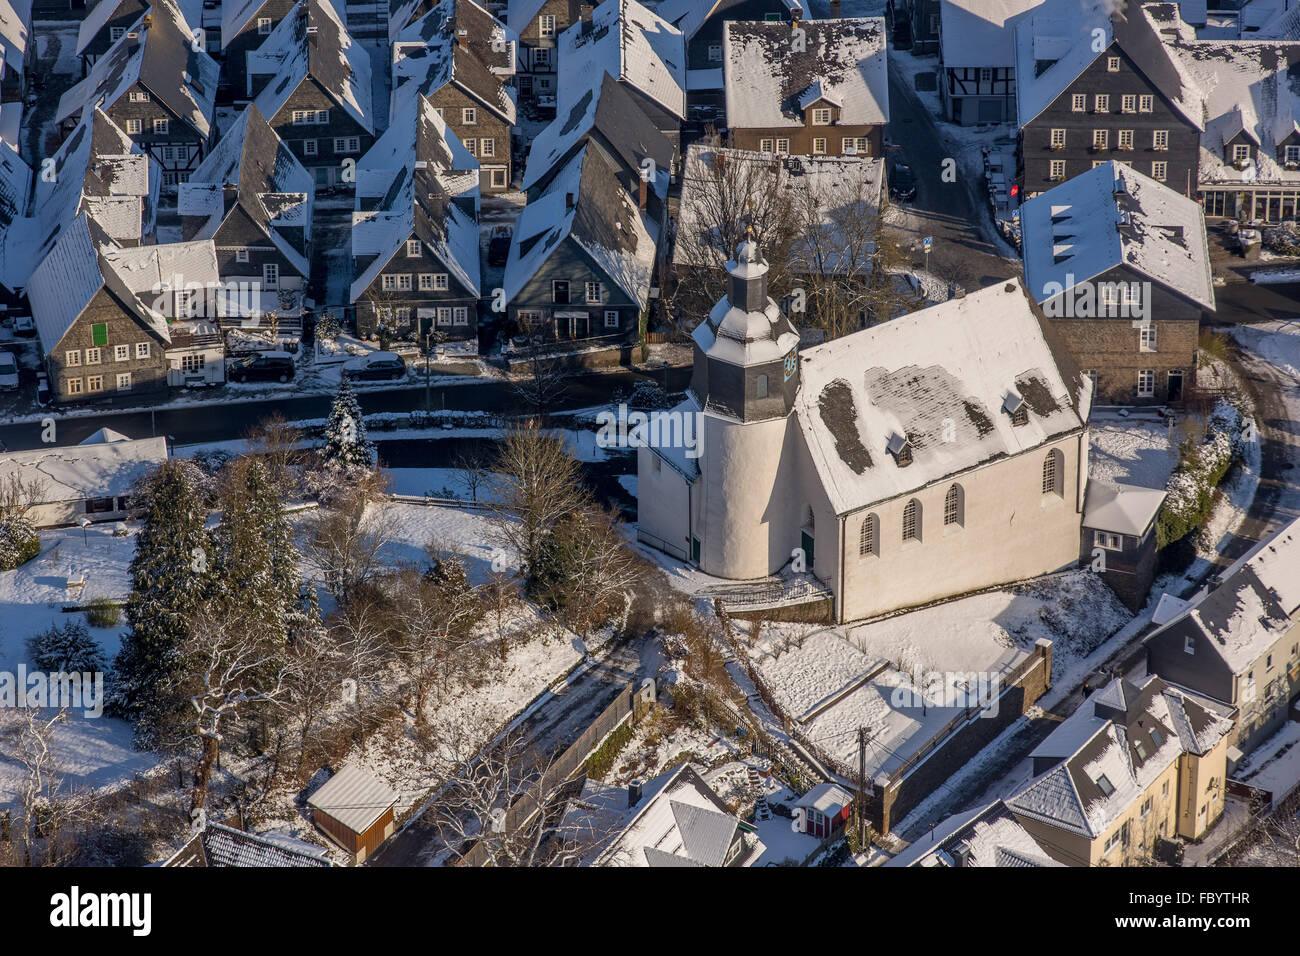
[99, 333]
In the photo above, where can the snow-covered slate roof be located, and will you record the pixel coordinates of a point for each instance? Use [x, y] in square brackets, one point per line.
[845, 188]
[15, 183]
[689, 15]
[630, 43]
[1109, 216]
[766, 78]
[488, 38]
[609, 112]
[398, 199]
[77, 472]
[740, 336]
[1058, 36]
[100, 14]
[274, 188]
[162, 59]
[236, 14]
[218, 845]
[430, 63]
[1112, 735]
[15, 31]
[1250, 86]
[947, 367]
[603, 222]
[1119, 508]
[69, 277]
[990, 835]
[329, 55]
[974, 33]
[354, 798]
[155, 273]
[1257, 602]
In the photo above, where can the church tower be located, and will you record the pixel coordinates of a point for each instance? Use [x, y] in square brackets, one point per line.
[745, 378]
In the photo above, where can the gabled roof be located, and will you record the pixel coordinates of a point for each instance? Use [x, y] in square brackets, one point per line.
[1110, 750]
[487, 37]
[974, 33]
[218, 845]
[77, 472]
[236, 15]
[607, 110]
[354, 797]
[1109, 216]
[1257, 602]
[938, 376]
[987, 836]
[1054, 44]
[100, 14]
[15, 185]
[603, 221]
[766, 78]
[161, 59]
[273, 188]
[154, 272]
[630, 43]
[70, 276]
[312, 41]
[520, 13]
[15, 32]
[433, 63]
[689, 15]
[399, 199]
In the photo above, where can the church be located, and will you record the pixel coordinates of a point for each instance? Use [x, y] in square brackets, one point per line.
[932, 455]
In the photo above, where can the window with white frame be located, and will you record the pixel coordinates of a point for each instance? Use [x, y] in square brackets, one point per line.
[1078, 103]
[1056, 169]
[821, 117]
[241, 255]
[116, 33]
[74, 386]
[471, 146]
[854, 146]
[1100, 138]
[121, 353]
[715, 52]
[1124, 139]
[309, 147]
[765, 145]
[426, 282]
[138, 96]
[404, 282]
[546, 25]
[72, 358]
[1128, 103]
[1240, 153]
[594, 292]
[193, 363]
[1160, 140]
[469, 115]
[135, 126]
[94, 356]
[1112, 64]
[142, 350]
[412, 248]
[1146, 103]
[611, 318]
[1146, 383]
[1147, 338]
[160, 127]
[986, 74]
[460, 315]
[783, 147]
[388, 283]
[271, 275]
[1058, 139]
[1104, 539]
[487, 147]
[1291, 155]
[347, 144]
[264, 25]
[819, 146]
[444, 315]
[1101, 103]
[124, 381]
[1159, 170]
[94, 383]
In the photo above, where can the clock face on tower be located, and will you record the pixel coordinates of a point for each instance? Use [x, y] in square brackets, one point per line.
[791, 364]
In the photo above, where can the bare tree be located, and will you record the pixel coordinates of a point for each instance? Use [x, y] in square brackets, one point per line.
[434, 625]
[473, 466]
[277, 443]
[598, 572]
[18, 495]
[43, 832]
[343, 542]
[544, 379]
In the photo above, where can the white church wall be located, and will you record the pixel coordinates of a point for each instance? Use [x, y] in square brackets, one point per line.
[663, 515]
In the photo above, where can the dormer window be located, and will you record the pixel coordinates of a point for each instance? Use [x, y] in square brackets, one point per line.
[1105, 786]
[1241, 153]
[901, 449]
[1016, 408]
[821, 117]
[1291, 155]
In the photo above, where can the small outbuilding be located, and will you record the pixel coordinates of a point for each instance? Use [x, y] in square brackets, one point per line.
[355, 810]
[1119, 537]
[822, 810]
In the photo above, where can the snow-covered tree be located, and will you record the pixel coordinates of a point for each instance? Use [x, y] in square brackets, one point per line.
[67, 649]
[169, 579]
[346, 445]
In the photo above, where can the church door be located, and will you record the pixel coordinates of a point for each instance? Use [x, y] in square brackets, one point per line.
[806, 542]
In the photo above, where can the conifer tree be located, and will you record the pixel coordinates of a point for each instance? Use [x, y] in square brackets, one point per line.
[346, 444]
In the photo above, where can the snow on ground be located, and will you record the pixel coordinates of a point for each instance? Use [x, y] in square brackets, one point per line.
[1275, 764]
[1135, 451]
[434, 482]
[1277, 343]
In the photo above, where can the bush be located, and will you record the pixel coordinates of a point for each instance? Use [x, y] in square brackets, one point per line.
[1203, 466]
[602, 761]
[101, 612]
[65, 649]
[19, 543]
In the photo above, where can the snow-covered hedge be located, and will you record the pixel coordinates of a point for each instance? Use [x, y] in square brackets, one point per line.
[1191, 487]
[19, 543]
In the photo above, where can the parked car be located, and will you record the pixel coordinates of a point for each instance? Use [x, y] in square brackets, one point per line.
[376, 366]
[8, 371]
[24, 326]
[499, 246]
[263, 367]
[902, 182]
[43, 394]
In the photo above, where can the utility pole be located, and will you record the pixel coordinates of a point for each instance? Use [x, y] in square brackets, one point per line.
[862, 788]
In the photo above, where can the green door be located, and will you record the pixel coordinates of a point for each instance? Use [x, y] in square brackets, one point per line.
[806, 541]
[695, 551]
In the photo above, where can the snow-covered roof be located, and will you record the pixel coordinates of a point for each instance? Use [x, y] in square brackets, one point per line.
[155, 273]
[587, 204]
[1107, 753]
[15, 32]
[827, 798]
[608, 112]
[273, 187]
[1241, 86]
[974, 33]
[78, 472]
[237, 14]
[218, 845]
[679, 821]
[433, 59]
[312, 41]
[354, 797]
[99, 15]
[161, 58]
[1110, 216]
[1256, 604]
[631, 43]
[15, 184]
[689, 15]
[767, 79]
[1119, 508]
[1054, 44]
[940, 377]
[487, 37]
[746, 336]
[402, 194]
[986, 837]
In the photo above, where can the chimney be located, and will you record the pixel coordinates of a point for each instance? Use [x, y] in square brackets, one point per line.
[961, 854]
[568, 200]
[837, 9]
[633, 792]
[462, 39]
[641, 190]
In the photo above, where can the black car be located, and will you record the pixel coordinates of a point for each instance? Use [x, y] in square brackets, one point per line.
[902, 182]
[375, 367]
[267, 367]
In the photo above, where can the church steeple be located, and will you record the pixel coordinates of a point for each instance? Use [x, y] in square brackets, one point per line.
[747, 271]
